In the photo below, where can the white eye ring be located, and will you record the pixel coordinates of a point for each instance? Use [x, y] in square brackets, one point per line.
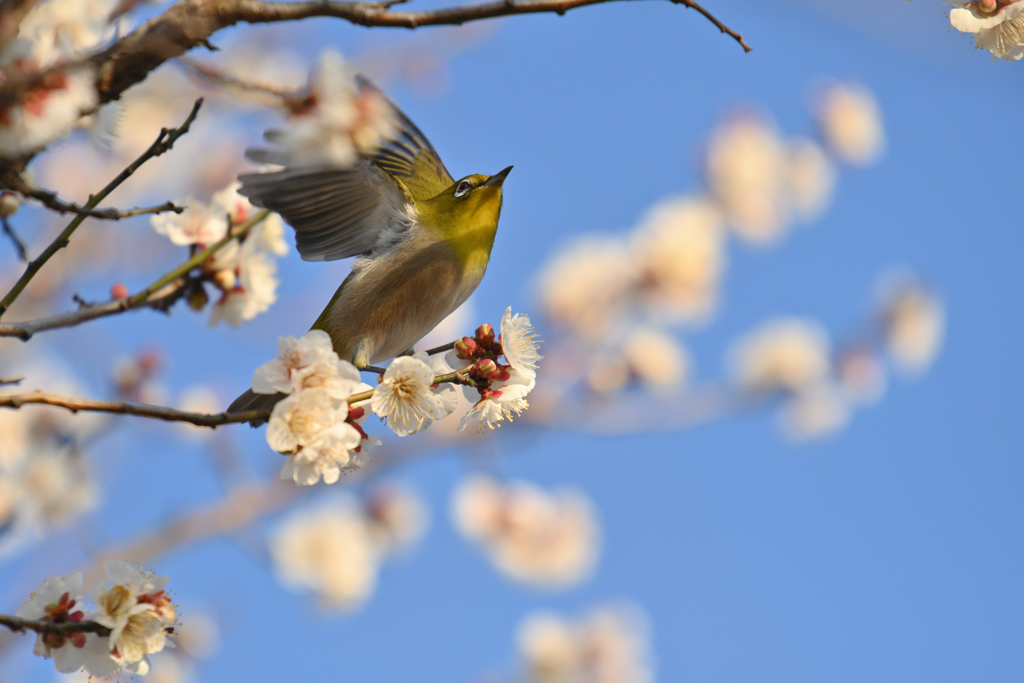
[463, 188]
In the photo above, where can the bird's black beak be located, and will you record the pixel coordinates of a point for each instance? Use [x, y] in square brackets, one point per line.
[498, 178]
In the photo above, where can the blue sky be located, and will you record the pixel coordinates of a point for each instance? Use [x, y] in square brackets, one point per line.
[891, 552]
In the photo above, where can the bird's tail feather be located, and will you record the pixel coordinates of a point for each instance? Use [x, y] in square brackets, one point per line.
[253, 401]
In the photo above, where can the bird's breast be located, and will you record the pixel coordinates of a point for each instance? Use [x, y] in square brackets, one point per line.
[395, 298]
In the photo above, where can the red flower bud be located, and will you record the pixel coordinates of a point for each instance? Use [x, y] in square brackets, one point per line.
[487, 368]
[119, 291]
[485, 335]
[465, 348]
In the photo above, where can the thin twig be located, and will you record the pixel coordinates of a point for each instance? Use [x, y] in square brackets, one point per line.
[163, 143]
[19, 246]
[51, 201]
[374, 369]
[738, 37]
[53, 628]
[125, 408]
[5, 381]
[155, 295]
[441, 349]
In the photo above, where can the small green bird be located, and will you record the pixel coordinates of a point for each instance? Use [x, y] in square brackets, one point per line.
[422, 238]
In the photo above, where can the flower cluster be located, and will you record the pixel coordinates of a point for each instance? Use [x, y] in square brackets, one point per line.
[530, 535]
[615, 296]
[499, 389]
[46, 481]
[137, 610]
[319, 421]
[610, 645]
[336, 551]
[334, 122]
[997, 25]
[314, 425]
[52, 97]
[792, 358]
[243, 271]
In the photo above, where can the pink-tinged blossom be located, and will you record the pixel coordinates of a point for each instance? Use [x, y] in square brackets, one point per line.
[997, 25]
[45, 111]
[59, 601]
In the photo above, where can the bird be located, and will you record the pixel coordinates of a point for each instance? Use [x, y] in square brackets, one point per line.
[422, 240]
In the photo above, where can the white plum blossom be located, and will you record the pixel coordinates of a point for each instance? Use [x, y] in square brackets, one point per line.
[811, 177]
[745, 174]
[404, 398]
[997, 25]
[519, 342]
[914, 322]
[140, 615]
[815, 411]
[851, 124]
[583, 288]
[57, 30]
[200, 224]
[307, 362]
[248, 282]
[785, 354]
[311, 427]
[396, 517]
[531, 535]
[657, 359]
[330, 552]
[338, 121]
[610, 645]
[46, 111]
[680, 253]
[501, 401]
[58, 600]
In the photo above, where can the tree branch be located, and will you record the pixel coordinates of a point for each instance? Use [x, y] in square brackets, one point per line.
[124, 408]
[191, 23]
[19, 246]
[51, 201]
[156, 295]
[164, 141]
[53, 628]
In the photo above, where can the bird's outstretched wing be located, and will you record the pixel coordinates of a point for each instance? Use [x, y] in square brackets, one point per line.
[409, 156]
[341, 212]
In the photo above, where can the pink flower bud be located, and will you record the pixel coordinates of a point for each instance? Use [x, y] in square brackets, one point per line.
[987, 6]
[465, 348]
[485, 335]
[487, 368]
[119, 291]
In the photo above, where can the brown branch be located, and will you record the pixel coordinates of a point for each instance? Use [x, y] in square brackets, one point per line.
[63, 628]
[221, 79]
[164, 141]
[124, 408]
[191, 23]
[159, 295]
[51, 201]
[19, 246]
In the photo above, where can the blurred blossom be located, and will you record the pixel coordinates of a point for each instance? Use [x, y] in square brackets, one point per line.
[583, 287]
[199, 398]
[610, 645]
[861, 375]
[198, 635]
[47, 110]
[335, 122]
[607, 372]
[812, 179]
[657, 359]
[997, 25]
[815, 411]
[135, 377]
[745, 170]
[786, 354]
[59, 30]
[397, 518]
[914, 321]
[851, 124]
[530, 535]
[679, 251]
[56, 486]
[330, 552]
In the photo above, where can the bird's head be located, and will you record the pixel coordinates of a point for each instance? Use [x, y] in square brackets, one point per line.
[467, 211]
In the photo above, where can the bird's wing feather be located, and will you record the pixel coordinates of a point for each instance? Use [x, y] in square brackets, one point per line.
[336, 212]
[340, 212]
[409, 155]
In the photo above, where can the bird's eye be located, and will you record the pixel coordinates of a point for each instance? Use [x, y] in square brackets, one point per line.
[463, 188]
